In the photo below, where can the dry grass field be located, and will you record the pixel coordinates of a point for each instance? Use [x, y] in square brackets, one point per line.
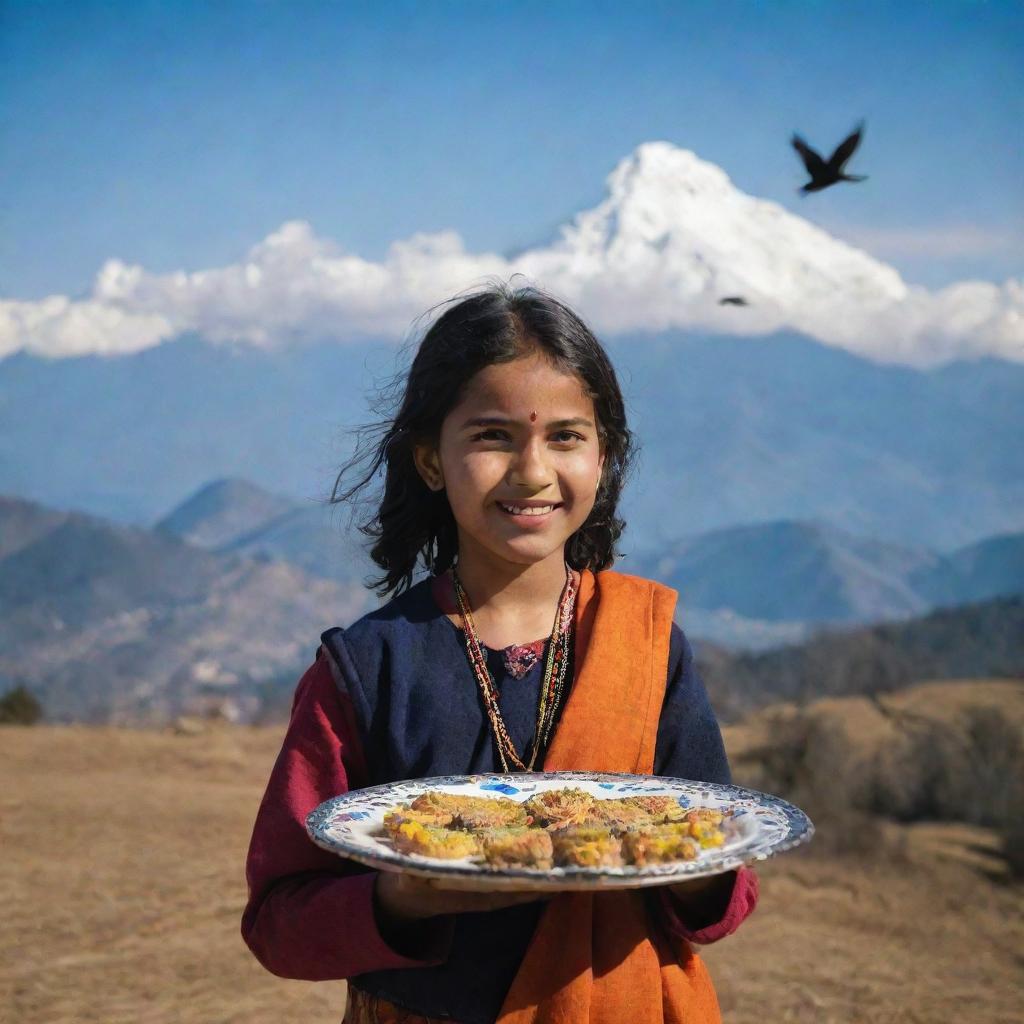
[122, 885]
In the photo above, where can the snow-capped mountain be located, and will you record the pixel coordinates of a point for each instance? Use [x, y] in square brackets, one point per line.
[674, 236]
[671, 238]
[673, 218]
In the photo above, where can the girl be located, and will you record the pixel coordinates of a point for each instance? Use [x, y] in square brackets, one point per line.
[520, 650]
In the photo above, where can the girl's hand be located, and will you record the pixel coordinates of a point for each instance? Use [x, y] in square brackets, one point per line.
[702, 901]
[695, 886]
[402, 899]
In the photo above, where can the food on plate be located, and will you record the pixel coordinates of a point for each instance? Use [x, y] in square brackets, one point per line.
[586, 846]
[492, 814]
[619, 814]
[567, 827]
[659, 808]
[404, 812]
[659, 844]
[559, 808]
[519, 847]
[431, 841]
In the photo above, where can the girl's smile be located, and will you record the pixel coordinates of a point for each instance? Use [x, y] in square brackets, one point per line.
[535, 517]
[524, 511]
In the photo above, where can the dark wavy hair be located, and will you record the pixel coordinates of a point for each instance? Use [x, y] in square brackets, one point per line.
[500, 323]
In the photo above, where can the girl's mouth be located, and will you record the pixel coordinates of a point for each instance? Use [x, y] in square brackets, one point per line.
[528, 511]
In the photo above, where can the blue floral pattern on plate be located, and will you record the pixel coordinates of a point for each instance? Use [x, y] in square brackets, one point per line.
[760, 826]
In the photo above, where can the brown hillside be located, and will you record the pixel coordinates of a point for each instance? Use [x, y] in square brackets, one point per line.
[951, 751]
[122, 885]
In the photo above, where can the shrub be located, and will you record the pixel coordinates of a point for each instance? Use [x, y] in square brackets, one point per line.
[19, 707]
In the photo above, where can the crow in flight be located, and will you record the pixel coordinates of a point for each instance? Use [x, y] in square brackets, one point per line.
[733, 300]
[828, 173]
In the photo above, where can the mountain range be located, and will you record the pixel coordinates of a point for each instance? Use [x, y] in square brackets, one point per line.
[750, 586]
[112, 623]
[219, 606]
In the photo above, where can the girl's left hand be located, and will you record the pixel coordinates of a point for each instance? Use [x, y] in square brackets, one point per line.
[703, 901]
[694, 886]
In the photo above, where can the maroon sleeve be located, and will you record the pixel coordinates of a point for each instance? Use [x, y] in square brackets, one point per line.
[310, 913]
[739, 904]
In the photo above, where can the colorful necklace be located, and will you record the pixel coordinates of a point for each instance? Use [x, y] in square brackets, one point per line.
[552, 687]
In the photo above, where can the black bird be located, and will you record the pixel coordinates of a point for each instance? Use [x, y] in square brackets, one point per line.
[824, 173]
[733, 300]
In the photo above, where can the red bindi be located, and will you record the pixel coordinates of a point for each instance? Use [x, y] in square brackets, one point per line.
[533, 417]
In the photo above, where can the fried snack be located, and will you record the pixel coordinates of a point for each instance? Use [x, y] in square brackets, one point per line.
[438, 802]
[707, 835]
[492, 814]
[430, 841]
[705, 826]
[662, 809]
[561, 808]
[518, 847]
[706, 815]
[397, 816]
[659, 844]
[621, 815]
[477, 812]
[586, 846]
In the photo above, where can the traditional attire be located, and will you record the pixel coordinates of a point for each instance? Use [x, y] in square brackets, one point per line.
[394, 697]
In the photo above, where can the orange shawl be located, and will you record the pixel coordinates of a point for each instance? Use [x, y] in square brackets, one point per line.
[596, 959]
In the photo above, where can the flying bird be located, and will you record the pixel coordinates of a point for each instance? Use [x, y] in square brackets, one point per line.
[733, 300]
[825, 173]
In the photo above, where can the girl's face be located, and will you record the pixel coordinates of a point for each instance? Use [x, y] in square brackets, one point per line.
[520, 460]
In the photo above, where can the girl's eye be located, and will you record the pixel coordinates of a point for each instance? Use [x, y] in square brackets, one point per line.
[568, 436]
[490, 435]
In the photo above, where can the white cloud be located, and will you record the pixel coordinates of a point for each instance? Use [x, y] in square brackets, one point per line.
[949, 241]
[58, 326]
[672, 237]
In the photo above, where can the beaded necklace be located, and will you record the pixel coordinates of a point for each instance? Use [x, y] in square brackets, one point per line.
[552, 687]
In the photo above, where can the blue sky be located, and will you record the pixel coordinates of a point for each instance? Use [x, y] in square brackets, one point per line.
[176, 135]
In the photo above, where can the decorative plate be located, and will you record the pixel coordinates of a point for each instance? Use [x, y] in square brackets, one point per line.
[760, 825]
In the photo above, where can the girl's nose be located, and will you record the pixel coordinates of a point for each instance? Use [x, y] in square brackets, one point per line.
[530, 466]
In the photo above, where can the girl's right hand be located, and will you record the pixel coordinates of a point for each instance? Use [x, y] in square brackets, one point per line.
[402, 898]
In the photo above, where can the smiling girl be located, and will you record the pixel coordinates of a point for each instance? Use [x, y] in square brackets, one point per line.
[518, 650]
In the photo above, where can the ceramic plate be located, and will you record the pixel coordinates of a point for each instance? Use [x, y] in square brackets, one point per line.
[760, 825]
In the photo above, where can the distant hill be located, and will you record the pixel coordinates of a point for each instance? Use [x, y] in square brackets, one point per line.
[755, 586]
[223, 511]
[805, 571]
[987, 569]
[237, 517]
[975, 641]
[25, 522]
[106, 623]
[733, 430]
[767, 584]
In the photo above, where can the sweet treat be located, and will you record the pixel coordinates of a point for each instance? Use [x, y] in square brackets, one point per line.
[659, 844]
[491, 814]
[560, 808]
[662, 809]
[621, 815]
[424, 815]
[521, 847]
[586, 846]
[429, 841]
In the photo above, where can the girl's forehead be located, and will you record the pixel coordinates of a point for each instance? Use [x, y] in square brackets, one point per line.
[530, 383]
